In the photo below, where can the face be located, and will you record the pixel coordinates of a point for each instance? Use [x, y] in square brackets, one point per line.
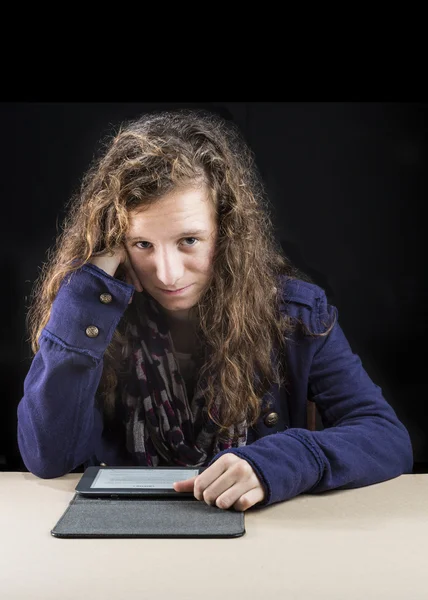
[171, 246]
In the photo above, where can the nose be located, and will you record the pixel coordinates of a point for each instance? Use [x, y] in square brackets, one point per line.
[169, 268]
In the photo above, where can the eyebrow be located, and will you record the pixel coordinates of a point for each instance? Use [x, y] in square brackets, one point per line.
[190, 233]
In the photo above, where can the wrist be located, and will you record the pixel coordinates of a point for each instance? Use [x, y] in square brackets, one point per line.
[105, 264]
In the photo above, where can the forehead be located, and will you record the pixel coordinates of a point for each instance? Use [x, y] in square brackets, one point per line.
[175, 211]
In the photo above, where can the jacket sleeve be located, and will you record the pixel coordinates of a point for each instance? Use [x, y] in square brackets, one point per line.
[56, 415]
[363, 441]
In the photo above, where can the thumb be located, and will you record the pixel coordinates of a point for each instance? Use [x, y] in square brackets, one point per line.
[184, 486]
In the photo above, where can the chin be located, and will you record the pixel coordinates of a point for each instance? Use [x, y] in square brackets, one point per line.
[177, 303]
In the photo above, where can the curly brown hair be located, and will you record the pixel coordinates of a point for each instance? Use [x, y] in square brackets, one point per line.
[239, 318]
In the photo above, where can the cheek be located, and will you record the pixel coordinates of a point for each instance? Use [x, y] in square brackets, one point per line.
[141, 268]
[137, 262]
[202, 263]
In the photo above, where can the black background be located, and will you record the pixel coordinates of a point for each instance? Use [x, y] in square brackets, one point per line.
[347, 182]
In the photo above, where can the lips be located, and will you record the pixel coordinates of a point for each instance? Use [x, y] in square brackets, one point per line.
[175, 292]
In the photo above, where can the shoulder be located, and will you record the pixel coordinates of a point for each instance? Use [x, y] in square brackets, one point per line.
[307, 302]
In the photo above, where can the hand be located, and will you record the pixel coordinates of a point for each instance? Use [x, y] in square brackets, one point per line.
[110, 262]
[230, 481]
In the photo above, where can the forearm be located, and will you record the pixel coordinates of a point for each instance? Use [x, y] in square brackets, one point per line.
[352, 455]
[363, 441]
[56, 414]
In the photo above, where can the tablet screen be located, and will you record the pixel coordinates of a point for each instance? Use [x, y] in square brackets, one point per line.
[155, 479]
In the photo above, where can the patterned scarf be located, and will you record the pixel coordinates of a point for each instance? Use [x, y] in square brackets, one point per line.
[163, 426]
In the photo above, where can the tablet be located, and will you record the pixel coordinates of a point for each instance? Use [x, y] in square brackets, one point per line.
[116, 482]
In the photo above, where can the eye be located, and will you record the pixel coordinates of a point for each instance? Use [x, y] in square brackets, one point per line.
[191, 238]
[142, 247]
[191, 242]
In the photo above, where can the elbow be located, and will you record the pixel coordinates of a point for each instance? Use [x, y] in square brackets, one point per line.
[44, 467]
[46, 471]
[44, 455]
[397, 447]
[405, 450]
[394, 444]
[42, 464]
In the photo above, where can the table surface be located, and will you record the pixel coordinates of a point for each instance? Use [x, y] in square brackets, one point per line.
[365, 543]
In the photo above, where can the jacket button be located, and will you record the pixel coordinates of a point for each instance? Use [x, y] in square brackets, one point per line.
[106, 298]
[103, 465]
[271, 419]
[92, 331]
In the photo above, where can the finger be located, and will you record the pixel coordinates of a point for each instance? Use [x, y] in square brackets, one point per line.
[238, 479]
[133, 277]
[221, 475]
[131, 273]
[231, 494]
[249, 499]
[210, 475]
[185, 485]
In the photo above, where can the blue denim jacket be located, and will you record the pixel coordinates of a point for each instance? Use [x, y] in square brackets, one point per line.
[363, 442]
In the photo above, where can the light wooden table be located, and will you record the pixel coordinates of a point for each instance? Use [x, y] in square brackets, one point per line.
[368, 543]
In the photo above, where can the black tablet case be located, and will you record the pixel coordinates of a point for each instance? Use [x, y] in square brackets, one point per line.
[147, 518]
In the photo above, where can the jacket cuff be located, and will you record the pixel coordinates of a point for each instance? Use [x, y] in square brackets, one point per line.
[87, 309]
